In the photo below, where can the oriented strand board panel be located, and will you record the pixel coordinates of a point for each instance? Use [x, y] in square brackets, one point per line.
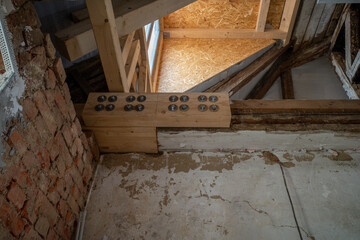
[223, 14]
[186, 63]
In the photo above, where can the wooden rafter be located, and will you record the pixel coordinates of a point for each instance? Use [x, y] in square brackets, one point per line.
[339, 26]
[287, 85]
[262, 15]
[104, 27]
[288, 18]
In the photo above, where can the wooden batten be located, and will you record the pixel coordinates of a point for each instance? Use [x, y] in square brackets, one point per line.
[288, 19]
[262, 15]
[104, 27]
[140, 35]
[127, 46]
[130, 66]
[223, 33]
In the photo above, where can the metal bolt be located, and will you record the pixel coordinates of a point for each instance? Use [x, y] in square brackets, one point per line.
[184, 107]
[128, 107]
[141, 98]
[202, 107]
[173, 98]
[130, 99]
[213, 99]
[112, 98]
[110, 107]
[202, 98]
[184, 98]
[101, 98]
[172, 108]
[99, 107]
[214, 108]
[139, 107]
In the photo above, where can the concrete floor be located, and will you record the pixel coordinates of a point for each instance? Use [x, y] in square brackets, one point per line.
[226, 196]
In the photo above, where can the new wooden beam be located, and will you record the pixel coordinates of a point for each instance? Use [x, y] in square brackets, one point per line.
[127, 46]
[103, 22]
[78, 40]
[131, 62]
[287, 85]
[262, 15]
[222, 33]
[245, 76]
[288, 18]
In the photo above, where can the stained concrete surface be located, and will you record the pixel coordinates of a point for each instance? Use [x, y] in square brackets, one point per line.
[226, 196]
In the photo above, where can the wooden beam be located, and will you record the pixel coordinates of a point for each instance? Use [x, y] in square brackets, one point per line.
[127, 46]
[295, 106]
[156, 67]
[324, 22]
[288, 19]
[286, 61]
[103, 22]
[80, 15]
[287, 86]
[140, 34]
[222, 33]
[130, 65]
[245, 76]
[339, 65]
[334, 19]
[313, 24]
[262, 15]
[339, 26]
[143, 78]
[78, 40]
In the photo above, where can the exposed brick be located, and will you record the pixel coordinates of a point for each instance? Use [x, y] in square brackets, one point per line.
[42, 226]
[30, 160]
[45, 208]
[62, 230]
[59, 70]
[33, 37]
[26, 16]
[42, 182]
[39, 57]
[61, 188]
[73, 205]
[28, 211]
[32, 235]
[63, 106]
[70, 218]
[81, 201]
[62, 208]
[50, 79]
[63, 150]
[53, 196]
[79, 163]
[29, 108]
[75, 192]
[52, 235]
[72, 111]
[45, 111]
[53, 148]
[66, 93]
[16, 195]
[9, 217]
[22, 178]
[66, 131]
[59, 118]
[73, 150]
[50, 49]
[44, 158]
[60, 164]
[79, 146]
[87, 175]
[33, 138]
[18, 142]
[41, 127]
[76, 176]
[50, 97]
[25, 58]
[68, 179]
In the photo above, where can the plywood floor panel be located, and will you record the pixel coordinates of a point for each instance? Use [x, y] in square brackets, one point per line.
[188, 62]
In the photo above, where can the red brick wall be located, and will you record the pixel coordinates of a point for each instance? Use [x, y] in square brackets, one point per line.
[49, 160]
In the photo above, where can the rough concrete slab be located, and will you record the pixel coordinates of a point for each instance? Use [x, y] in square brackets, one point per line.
[325, 190]
[189, 196]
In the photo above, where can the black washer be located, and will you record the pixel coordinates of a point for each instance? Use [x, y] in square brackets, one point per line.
[202, 107]
[172, 108]
[112, 98]
[173, 98]
[213, 98]
[214, 108]
[101, 98]
[202, 98]
[110, 107]
[184, 98]
[184, 107]
[139, 107]
[99, 107]
[141, 98]
[130, 98]
[128, 107]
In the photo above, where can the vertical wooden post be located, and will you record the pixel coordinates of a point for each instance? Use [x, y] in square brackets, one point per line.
[262, 15]
[288, 18]
[140, 34]
[287, 86]
[103, 21]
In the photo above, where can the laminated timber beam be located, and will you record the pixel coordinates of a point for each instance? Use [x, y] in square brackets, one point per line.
[78, 40]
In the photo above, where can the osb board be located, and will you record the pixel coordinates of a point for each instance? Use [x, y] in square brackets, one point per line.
[223, 14]
[188, 62]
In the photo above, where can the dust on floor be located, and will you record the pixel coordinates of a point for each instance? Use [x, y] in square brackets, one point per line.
[226, 196]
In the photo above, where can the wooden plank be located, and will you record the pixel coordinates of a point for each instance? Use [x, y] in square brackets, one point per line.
[244, 77]
[130, 66]
[193, 117]
[143, 78]
[339, 26]
[155, 74]
[287, 86]
[140, 34]
[324, 22]
[80, 15]
[103, 21]
[223, 33]
[78, 40]
[127, 46]
[302, 23]
[126, 139]
[339, 65]
[262, 15]
[334, 19]
[288, 19]
[295, 106]
[313, 24]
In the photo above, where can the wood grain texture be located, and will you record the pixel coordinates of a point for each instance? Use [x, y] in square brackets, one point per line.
[287, 86]
[262, 15]
[126, 139]
[288, 19]
[103, 22]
